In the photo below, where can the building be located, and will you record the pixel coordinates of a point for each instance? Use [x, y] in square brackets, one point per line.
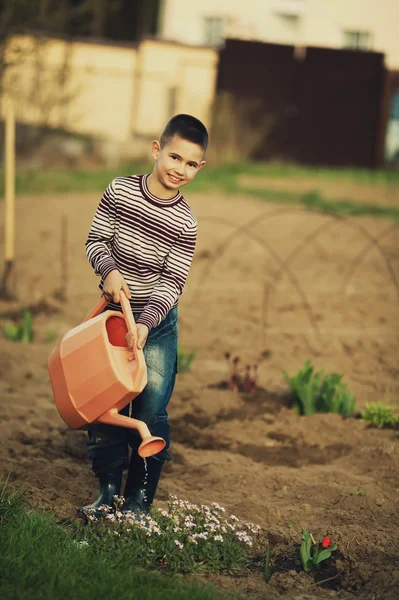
[355, 24]
[119, 94]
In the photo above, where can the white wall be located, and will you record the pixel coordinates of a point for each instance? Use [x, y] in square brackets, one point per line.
[110, 92]
[327, 19]
[318, 22]
[184, 21]
[168, 70]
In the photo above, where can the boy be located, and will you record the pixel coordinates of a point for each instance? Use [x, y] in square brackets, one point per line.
[142, 241]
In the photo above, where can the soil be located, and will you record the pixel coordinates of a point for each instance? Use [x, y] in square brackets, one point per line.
[275, 287]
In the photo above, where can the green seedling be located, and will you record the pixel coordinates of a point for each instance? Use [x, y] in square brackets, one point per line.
[313, 393]
[51, 336]
[305, 386]
[312, 554]
[184, 360]
[358, 492]
[380, 414]
[22, 331]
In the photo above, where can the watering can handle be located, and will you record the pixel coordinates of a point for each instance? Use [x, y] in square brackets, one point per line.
[99, 307]
[126, 309]
[127, 313]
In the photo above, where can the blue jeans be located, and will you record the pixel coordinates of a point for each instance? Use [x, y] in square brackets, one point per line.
[108, 444]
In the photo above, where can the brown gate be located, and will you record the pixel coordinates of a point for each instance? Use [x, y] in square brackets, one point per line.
[325, 104]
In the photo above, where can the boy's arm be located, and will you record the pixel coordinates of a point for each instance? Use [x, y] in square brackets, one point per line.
[101, 234]
[171, 283]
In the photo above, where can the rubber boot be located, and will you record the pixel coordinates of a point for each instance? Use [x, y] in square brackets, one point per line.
[142, 482]
[110, 486]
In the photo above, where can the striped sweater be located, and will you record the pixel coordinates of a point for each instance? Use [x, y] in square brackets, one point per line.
[149, 241]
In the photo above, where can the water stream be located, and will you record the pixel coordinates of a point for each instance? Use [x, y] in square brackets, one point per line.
[144, 490]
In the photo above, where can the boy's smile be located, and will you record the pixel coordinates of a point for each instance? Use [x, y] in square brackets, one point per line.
[176, 165]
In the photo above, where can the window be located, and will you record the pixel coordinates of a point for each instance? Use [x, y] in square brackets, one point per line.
[213, 31]
[394, 112]
[290, 8]
[357, 40]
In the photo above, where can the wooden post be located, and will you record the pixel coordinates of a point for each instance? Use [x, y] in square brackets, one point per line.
[64, 258]
[61, 293]
[9, 220]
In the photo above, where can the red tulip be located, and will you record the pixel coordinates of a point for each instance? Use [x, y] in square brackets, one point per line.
[326, 543]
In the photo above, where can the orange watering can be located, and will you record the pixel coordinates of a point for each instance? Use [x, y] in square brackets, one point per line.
[92, 377]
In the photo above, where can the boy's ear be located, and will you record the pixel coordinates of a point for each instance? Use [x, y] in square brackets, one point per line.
[155, 149]
[202, 164]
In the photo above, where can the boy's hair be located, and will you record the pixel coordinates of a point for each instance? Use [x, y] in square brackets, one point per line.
[187, 127]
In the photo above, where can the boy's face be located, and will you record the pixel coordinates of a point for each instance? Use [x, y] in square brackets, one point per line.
[177, 163]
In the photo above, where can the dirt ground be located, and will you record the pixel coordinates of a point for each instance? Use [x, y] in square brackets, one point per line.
[275, 286]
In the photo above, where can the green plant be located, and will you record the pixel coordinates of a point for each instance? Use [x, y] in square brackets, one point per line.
[313, 394]
[51, 336]
[185, 538]
[335, 397]
[10, 502]
[43, 558]
[184, 360]
[380, 414]
[312, 554]
[358, 492]
[305, 386]
[266, 571]
[22, 331]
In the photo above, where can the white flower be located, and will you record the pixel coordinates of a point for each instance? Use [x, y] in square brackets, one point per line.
[243, 537]
[110, 518]
[179, 544]
[218, 538]
[82, 543]
[218, 507]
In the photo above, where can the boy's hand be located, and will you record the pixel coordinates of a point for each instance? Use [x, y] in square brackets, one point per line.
[142, 334]
[113, 284]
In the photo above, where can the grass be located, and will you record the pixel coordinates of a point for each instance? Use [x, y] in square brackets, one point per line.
[314, 201]
[284, 170]
[40, 559]
[124, 556]
[225, 179]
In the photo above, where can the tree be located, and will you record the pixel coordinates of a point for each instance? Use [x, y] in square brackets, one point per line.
[42, 18]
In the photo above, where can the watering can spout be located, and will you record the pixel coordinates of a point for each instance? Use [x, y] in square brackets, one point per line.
[150, 444]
